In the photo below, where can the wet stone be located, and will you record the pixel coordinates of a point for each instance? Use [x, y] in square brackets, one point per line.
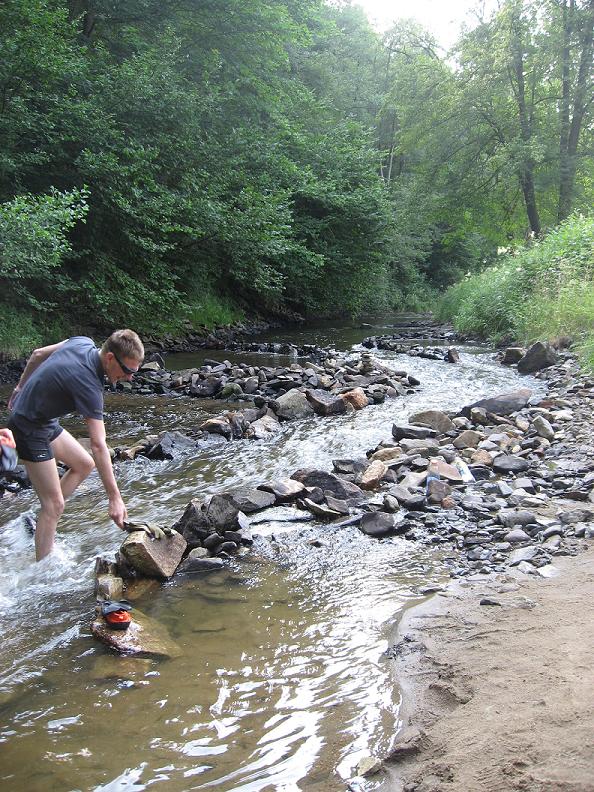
[158, 558]
[251, 500]
[325, 403]
[199, 561]
[328, 482]
[144, 636]
[378, 524]
[321, 511]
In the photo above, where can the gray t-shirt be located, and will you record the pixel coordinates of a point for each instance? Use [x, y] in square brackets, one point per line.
[70, 380]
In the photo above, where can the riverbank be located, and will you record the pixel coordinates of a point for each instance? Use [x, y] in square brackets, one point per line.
[495, 671]
[498, 696]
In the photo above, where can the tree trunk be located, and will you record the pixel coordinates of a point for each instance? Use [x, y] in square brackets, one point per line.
[526, 166]
[571, 128]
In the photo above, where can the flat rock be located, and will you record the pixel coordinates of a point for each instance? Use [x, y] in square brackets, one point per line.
[502, 404]
[400, 432]
[516, 536]
[251, 500]
[446, 471]
[198, 560]
[468, 439]
[144, 636]
[523, 554]
[543, 428]
[218, 425]
[158, 558]
[425, 448]
[512, 517]
[284, 490]
[320, 510]
[328, 482]
[434, 419]
[385, 454]
[399, 492]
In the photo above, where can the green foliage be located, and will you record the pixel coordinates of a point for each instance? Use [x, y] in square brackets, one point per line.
[270, 154]
[211, 311]
[545, 291]
[18, 333]
[33, 244]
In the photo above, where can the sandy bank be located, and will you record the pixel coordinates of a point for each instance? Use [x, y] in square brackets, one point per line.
[499, 697]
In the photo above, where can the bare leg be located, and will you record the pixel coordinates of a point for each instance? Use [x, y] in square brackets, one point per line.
[69, 451]
[52, 491]
[46, 483]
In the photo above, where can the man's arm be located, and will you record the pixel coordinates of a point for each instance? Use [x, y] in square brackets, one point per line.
[117, 510]
[36, 359]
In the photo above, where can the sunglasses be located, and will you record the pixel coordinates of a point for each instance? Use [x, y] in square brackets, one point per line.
[125, 369]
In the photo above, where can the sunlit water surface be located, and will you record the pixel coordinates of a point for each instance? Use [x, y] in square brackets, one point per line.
[282, 681]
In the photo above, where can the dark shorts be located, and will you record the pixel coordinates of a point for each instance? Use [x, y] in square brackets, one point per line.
[34, 443]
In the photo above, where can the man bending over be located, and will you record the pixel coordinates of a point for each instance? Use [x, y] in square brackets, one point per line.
[60, 379]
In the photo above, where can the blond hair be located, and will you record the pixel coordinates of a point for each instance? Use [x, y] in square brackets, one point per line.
[124, 343]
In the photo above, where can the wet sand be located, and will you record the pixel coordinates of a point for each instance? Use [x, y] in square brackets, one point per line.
[499, 697]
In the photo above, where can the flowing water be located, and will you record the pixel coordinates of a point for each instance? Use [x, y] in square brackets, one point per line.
[282, 681]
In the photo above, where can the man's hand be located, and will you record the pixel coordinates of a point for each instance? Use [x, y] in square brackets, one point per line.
[117, 512]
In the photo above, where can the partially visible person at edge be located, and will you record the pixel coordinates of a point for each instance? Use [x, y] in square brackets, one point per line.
[60, 379]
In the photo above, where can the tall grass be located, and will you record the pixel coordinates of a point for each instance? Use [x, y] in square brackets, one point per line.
[212, 311]
[543, 292]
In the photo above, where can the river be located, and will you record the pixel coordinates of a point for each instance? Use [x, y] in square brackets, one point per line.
[283, 681]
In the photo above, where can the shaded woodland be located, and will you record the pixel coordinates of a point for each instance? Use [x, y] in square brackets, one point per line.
[166, 163]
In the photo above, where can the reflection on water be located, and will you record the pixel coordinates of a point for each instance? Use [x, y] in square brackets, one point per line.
[282, 682]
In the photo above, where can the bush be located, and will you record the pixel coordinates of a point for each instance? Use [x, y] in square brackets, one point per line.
[18, 334]
[543, 292]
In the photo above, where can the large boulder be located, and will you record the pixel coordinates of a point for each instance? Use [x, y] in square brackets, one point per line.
[425, 448]
[157, 558]
[540, 355]
[502, 404]
[192, 524]
[325, 403]
[293, 404]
